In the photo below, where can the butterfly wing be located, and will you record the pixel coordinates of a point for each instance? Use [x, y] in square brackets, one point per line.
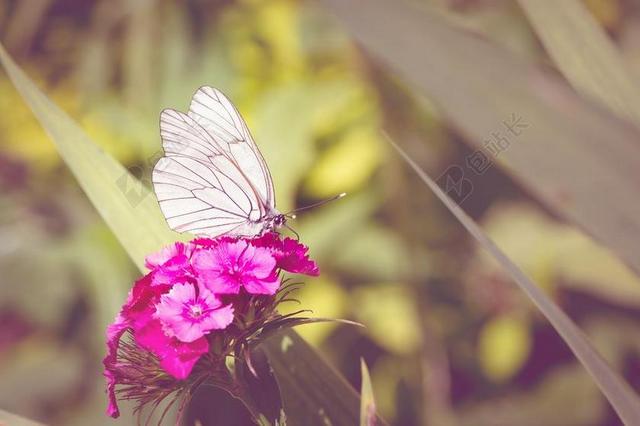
[216, 114]
[199, 182]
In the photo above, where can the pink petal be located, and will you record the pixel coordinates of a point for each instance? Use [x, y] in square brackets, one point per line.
[186, 331]
[156, 259]
[290, 254]
[295, 259]
[233, 251]
[181, 357]
[211, 267]
[112, 407]
[211, 242]
[268, 285]
[176, 358]
[270, 239]
[170, 310]
[152, 338]
[114, 333]
[171, 263]
[218, 283]
[204, 242]
[204, 260]
[218, 319]
[139, 307]
[159, 258]
[262, 262]
[209, 299]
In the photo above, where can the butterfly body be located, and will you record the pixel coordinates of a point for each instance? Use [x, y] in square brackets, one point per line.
[212, 179]
[273, 221]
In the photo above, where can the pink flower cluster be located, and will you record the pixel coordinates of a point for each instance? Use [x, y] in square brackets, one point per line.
[193, 290]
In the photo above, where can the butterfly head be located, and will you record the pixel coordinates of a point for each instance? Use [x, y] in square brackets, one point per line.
[279, 220]
[274, 221]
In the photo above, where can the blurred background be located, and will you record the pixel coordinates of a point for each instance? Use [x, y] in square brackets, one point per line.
[448, 339]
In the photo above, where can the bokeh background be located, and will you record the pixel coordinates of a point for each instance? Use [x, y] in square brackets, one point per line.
[448, 338]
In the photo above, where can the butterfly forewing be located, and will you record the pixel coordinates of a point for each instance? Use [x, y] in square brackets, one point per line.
[212, 179]
[215, 113]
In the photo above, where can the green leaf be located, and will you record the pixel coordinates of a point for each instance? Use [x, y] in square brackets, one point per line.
[623, 399]
[367, 402]
[136, 220]
[584, 53]
[260, 387]
[127, 207]
[581, 161]
[314, 393]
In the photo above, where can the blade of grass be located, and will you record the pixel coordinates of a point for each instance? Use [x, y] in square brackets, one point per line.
[584, 53]
[367, 401]
[624, 401]
[140, 228]
[580, 160]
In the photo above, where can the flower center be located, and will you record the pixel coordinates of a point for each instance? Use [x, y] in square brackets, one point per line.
[236, 272]
[196, 310]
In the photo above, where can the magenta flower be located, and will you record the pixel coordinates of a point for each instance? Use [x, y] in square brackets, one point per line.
[175, 357]
[171, 263]
[228, 266]
[290, 255]
[165, 326]
[189, 314]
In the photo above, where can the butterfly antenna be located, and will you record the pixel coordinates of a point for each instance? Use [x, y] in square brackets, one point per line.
[293, 230]
[292, 213]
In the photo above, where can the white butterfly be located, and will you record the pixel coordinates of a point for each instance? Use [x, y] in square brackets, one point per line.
[213, 179]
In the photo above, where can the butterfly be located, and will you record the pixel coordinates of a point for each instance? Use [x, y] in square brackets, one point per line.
[213, 180]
